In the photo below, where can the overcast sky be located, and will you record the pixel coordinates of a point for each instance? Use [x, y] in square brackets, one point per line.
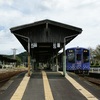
[80, 13]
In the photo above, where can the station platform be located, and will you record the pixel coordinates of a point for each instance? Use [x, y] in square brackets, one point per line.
[48, 85]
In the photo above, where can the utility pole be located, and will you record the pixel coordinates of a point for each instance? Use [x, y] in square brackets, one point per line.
[14, 53]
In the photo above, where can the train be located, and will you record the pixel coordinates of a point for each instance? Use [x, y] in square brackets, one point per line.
[78, 60]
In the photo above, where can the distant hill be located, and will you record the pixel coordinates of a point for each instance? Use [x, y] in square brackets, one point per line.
[23, 56]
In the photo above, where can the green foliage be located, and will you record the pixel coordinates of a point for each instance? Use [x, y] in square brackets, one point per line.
[23, 56]
[97, 52]
[95, 56]
[95, 64]
[92, 63]
[18, 61]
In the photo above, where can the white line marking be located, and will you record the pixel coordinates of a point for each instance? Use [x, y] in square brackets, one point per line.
[81, 89]
[47, 89]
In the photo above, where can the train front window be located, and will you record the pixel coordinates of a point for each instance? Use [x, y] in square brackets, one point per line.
[85, 56]
[78, 57]
[71, 56]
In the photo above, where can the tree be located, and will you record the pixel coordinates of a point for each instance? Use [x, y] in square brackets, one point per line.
[92, 55]
[97, 52]
[18, 61]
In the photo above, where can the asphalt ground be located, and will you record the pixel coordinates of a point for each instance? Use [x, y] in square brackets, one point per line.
[7, 94]
[92, 88]
[34, 89]
[61, 88]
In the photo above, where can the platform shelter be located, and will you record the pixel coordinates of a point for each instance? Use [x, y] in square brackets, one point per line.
[43, 39]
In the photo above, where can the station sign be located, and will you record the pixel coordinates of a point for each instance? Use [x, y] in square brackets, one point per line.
[56, 45]
[33, 45]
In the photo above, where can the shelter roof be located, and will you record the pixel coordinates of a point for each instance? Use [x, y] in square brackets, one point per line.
[46, 37]
[7, 59]
[46, 21]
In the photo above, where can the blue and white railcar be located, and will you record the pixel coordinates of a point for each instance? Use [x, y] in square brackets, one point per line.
[78, 59]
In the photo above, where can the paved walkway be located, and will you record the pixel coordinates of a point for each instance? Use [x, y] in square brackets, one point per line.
[46, 85]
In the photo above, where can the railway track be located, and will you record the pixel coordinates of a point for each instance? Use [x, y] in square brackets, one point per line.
[2, 82]
[92, 79]
[6, 76]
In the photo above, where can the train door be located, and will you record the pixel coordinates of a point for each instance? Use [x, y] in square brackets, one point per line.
[79, 59]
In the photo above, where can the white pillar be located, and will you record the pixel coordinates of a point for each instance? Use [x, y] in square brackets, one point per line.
[64, 60]
[57, 63]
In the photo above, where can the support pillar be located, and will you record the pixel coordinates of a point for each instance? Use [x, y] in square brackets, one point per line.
[28, 64]
[53, 67]
[28, 57]
[57, 63]
[64, 60]
[32, 67]
[64, 65]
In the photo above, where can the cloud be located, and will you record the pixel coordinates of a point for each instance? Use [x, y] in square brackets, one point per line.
[6, 2]
[7, 42]
[84, 14]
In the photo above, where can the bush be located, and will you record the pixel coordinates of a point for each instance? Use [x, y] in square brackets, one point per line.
[97, 63]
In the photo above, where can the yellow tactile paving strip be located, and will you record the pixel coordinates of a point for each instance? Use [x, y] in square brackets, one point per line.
[20, 90]
[81, 89]
[47, 89]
